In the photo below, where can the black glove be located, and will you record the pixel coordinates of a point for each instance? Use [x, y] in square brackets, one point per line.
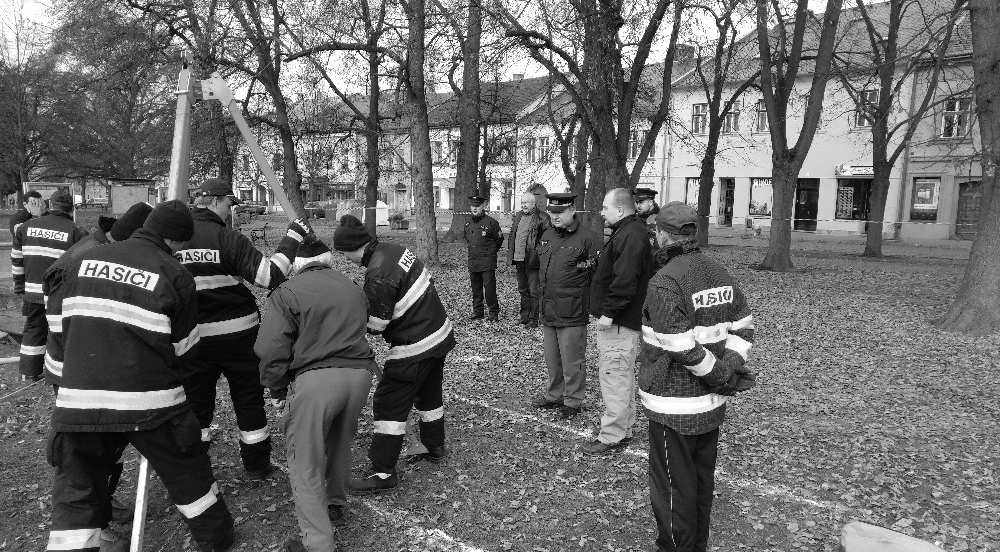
[742, 379]
[298, 229]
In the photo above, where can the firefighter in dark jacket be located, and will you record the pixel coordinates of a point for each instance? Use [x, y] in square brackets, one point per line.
[221, 260]
[313, 350]
[566, 256]
[617, 291]
[37, 244]
[646, 209]
[130, 324]
[404, 308]
[526, 230]
[484, 238]
[697, 331]
[33, 206]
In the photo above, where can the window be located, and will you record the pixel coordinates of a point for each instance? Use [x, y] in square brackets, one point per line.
[760, 197]
[955, 117]
[926, 192]
[437, 154]
[530, 154]
[452, 152]
[543, 150]
[852, 199]
[699, 118]
[760, 117]
[691, 191]
[867, 104]
[731, 122]
[636, 141]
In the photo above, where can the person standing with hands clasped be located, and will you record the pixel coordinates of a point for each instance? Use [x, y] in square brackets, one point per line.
[617, 292]
[527, 228]
[484, 237]
[697, 331]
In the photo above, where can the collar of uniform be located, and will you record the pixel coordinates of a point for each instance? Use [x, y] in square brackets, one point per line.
[665, 254]
[206, 215]
[314, 266]
[368, 252]
[571, 227]
[58, 214]
[143, 234]
[624, 220]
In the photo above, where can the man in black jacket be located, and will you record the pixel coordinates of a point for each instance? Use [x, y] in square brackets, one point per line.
[522, 251]
[616, 295]
[566, 254]
[484, 237]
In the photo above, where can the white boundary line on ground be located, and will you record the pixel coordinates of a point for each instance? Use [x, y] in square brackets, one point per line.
[393, 516]
[781, 492]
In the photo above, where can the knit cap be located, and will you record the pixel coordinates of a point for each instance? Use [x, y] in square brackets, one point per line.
[131, 221]
[60, 200]
[312, 250]
[677, 218]
[171, 220]
[350, 235]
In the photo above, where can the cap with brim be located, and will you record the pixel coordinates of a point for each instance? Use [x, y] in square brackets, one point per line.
[476, 200]
[677, 218]
[219, 188]
[642, 194]
[559, 202]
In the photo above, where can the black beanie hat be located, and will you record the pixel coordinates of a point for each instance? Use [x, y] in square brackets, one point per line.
[131, 221]
[310, 247]
[171, 220]
[350, 235]
[105, 223]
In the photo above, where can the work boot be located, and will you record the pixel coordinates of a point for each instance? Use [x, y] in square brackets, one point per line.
[261, 474]
[598, 448]
[112, 541]
[493, 317]
[338, 515]
[476, 316]
[567, 412]
[434, 455]
[222, 544]
[373, 484]
[543, 402]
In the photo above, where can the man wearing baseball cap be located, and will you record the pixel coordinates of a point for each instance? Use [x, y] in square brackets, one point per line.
[697, 331]
[221, 259]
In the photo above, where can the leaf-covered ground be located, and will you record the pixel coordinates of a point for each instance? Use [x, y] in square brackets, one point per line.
[862, 411]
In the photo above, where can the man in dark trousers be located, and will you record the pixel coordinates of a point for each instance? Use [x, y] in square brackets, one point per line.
[484, 238]
[221, 260]
[404, 307]
[312, 349]
[522, 251]
[130, 323]
[616, 295]
[697, 331]
[37, 244]
[566, 256]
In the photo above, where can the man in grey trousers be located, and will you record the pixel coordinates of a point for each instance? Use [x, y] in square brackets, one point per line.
[312, 348]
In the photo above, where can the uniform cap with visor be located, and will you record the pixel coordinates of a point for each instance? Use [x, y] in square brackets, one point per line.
[218, 187]
[559, 202]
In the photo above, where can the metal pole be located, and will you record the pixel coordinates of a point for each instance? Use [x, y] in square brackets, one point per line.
[141, 496]
[180, 151]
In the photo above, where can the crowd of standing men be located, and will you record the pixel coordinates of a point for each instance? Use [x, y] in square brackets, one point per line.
[134, 323]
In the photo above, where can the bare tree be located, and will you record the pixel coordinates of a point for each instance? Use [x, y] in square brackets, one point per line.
[910, 43]
[783, 49]
[976, 309]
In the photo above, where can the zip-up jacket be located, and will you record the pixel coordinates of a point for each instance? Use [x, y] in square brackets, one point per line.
[221, 260]
[622, 273]
[52, 287]
[566, 257]
[697, 331]
[36, 245]
[484, 238]
[17, 219]
[315, 320]
[403, 305]
[129, 318]
[536, 229]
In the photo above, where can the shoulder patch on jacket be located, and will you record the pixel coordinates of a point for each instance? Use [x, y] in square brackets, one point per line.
[406, 260]
[712, 297]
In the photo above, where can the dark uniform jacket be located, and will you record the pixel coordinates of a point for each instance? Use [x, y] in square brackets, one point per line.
[129, 317]
[539, 224]
[315, 320]
[52, 288]
[622, 273]
[403, 305]
[566, 257]
[37, 244]
[21, 216]
[221, 260]
[697, 331]
[484, 237]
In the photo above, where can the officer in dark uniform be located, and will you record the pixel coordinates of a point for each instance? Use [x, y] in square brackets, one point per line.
[646, 209]
[484, 237]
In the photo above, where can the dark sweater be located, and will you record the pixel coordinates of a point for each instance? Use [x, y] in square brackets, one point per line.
[618, 288]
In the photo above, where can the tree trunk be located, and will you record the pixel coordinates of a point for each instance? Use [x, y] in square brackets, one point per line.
[421, 174]
[877, 198]
[373, 168]
[779, 257]
[976, 309]
[466, 174]
[581, 144]
[706, 184]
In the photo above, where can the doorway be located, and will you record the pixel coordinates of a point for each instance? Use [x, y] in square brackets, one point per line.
[970, 195]
[727, 189]
[806, 204]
